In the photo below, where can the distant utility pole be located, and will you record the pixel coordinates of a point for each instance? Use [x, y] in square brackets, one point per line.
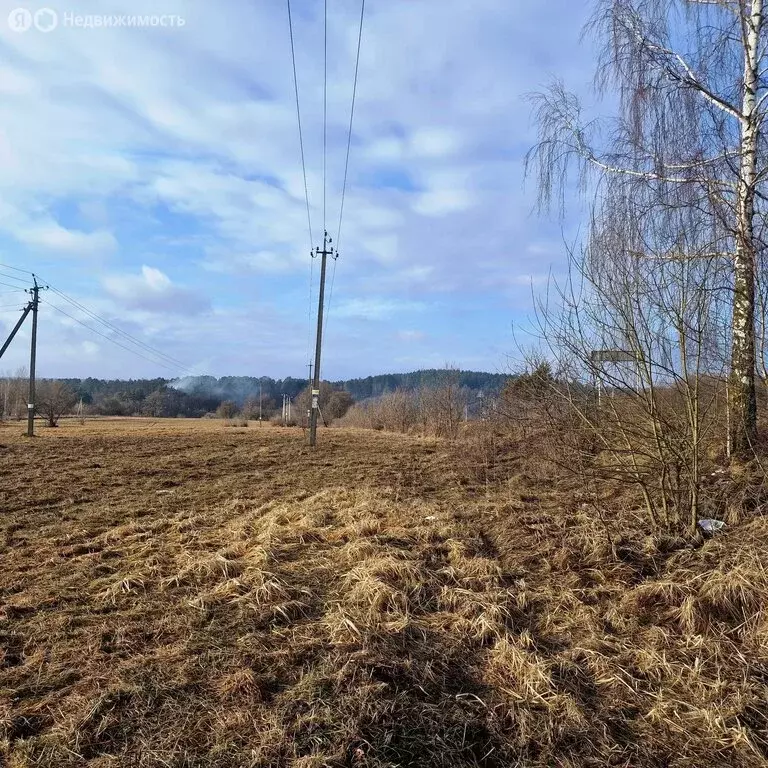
[309, 409]
[325, 253]
[259, 401]
[33, 361]
[32, 306]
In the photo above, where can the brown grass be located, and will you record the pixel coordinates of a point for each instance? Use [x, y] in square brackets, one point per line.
[177, 594]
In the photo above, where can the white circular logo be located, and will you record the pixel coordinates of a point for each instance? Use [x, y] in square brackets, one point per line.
[46, 19]
[20, 20]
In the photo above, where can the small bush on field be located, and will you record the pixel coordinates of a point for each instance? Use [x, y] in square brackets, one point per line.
[430, 412]
[278, 421]
[236, 423]
[227, 410]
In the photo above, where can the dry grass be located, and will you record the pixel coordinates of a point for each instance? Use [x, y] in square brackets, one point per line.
[177, 594]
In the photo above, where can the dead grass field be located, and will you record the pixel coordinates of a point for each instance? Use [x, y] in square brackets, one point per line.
[178, 593]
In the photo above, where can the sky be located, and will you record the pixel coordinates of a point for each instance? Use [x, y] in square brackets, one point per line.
[153, 175]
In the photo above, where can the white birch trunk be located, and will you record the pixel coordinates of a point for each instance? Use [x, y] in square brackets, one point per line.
[741, 392]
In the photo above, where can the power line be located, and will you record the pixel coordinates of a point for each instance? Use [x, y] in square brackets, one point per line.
[351, 118]
[326, 239]
[166, 361]
[330, 296]
[309, 309]
[346, 163]
[13, 277]
[127, 336]
[16, 269]
[298, 116]
[10, 285]
[304, 173]
[108, 338]
[325, 112]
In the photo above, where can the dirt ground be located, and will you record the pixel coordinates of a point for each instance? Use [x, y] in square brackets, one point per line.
[182, 593]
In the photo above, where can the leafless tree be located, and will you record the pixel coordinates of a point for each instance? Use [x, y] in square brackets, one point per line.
[54, 399]
[690, 135]
[13, 395]
[637, 338]
[227, 410]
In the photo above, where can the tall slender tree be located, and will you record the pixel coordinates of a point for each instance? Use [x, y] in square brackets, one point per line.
[690, 134]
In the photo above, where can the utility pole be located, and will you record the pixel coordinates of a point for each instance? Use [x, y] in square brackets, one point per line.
[259, 402]
[32, 306]
[309, 408]
[325, 253]
[32, 360]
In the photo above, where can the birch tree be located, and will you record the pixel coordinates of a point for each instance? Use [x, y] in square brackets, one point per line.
[690, 134]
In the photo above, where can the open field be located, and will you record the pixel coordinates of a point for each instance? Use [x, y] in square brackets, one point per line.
[178, 593]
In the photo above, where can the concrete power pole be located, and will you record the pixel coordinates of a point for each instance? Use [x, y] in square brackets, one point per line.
[325, 253]
[33, 361]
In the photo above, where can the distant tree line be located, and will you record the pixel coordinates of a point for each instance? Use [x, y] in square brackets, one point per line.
[435, 378]
[246, 396]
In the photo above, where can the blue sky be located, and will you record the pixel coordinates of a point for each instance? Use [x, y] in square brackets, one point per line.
[153, 174]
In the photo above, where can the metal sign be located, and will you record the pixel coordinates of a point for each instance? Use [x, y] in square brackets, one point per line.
[612, 356]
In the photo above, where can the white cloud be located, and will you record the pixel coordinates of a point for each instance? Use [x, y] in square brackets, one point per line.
[435, 142]
[52, 235]
[153, 291]
[441, 202]
[375, 308]
[411, 336]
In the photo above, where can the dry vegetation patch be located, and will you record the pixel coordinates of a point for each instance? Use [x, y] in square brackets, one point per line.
[177, 594]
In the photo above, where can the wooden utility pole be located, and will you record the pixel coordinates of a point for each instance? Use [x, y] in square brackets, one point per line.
[325, 253]
[32, 361]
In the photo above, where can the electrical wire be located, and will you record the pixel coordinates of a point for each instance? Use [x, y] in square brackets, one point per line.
[16, 269]
[13, 277]
[346, 163]
[351, 118]
[165, 360]
[127, 336]
[10, 285]
[310, 312]
[330, 297]
[304, 173]
[298, 117]
[109, 338]
[325, 112]
[104, 321]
